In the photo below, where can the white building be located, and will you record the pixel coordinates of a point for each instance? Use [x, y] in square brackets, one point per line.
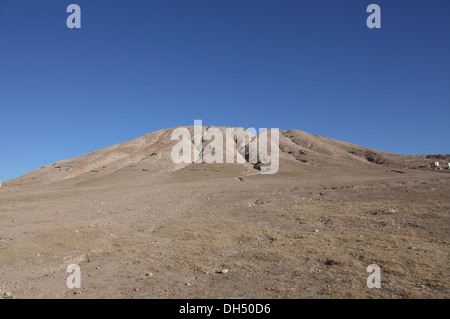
[434, 164]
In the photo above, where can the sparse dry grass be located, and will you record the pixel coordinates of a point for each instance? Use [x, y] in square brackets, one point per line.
[184, 229]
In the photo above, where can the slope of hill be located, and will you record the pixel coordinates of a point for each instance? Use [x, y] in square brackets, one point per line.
[151, 153]
[140, 226]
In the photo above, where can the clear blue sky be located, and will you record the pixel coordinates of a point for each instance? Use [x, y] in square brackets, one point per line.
[138, 66]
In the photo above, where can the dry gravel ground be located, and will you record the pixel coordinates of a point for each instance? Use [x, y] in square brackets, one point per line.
[302, 233]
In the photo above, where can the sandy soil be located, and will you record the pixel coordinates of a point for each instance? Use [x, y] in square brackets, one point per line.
[169, 236]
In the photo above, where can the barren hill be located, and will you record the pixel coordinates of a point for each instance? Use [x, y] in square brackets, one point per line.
[151, 153]
[140, 226]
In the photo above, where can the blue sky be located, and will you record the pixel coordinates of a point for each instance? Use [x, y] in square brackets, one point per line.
[138, 66]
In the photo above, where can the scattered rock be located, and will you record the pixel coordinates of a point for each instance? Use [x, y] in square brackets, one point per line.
[330, 262]
[224, 271]
[316, 230]
[241, 179]
[390, 210]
